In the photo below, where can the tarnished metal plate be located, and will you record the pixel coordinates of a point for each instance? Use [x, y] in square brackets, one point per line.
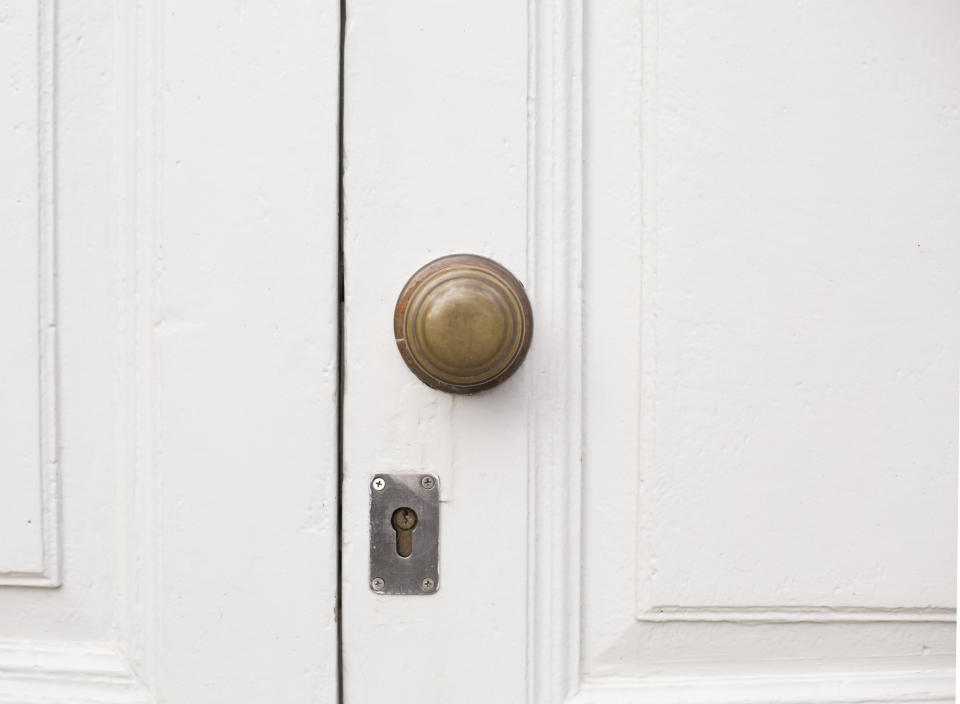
[390, 573]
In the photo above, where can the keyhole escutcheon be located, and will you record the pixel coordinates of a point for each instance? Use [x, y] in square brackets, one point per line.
[404, 522]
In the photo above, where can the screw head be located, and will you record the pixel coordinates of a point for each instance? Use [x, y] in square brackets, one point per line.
[427, 584]
[376, 584]
[378, 483]
[428, 482]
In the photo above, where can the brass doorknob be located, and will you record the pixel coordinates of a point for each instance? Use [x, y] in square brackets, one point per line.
[463, 323]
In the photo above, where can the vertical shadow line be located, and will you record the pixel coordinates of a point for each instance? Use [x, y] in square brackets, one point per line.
[341, 362]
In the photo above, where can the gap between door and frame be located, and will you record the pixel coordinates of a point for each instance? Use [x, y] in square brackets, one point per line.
[340, 348]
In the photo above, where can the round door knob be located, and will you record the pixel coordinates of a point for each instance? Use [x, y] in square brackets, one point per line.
[463, 323]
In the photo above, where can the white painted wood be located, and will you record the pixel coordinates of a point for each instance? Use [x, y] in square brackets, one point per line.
[233, 499]
[801, 278]
[725, 473]
[79, 207]
[921, 686]
[765, 389]
[44, 673]
[435, 163]
[29, 511]
[196, 213]
[788, 350]
[555, 231]
[418, 186]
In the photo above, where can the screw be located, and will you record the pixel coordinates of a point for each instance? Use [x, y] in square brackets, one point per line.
[428, 482]
[377, 584]
[427, 584]
[378, 483]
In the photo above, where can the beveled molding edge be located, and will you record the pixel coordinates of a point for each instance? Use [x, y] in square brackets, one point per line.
[54, 673]
[554, 282]
[48, 472]
[799, 614]
[934, 685]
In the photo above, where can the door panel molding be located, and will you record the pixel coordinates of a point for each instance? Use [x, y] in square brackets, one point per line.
[52, 673]
[557, 38]
[798, 614]
[138, 59]
[835, 688]
[554, 235]
[32, 207]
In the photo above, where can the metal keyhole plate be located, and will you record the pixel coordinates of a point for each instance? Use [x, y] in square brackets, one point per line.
[404, 533]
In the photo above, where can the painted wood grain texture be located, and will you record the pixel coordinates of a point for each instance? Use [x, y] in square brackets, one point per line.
[74, 47]
[45, 673]
[768, 209]
[767, 276]
[28, 491]
[196, 187]
[436, 156]
[801, 268]
[242, 323]
[486, 114]
[710, 631]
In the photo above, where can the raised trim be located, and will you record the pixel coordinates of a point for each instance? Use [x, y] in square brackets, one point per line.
[799, 614]
[49, 475]
[554, 239]
[554, 244]
[137, 60]
[44, 673]
[834, 688]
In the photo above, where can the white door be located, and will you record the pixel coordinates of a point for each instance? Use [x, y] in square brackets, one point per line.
[168, 262]
[727, 470]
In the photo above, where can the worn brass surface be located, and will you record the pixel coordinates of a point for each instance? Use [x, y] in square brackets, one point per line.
[404, 521]
[463, 323]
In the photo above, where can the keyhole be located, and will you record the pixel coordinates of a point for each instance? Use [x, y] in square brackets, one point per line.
[404, 521]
